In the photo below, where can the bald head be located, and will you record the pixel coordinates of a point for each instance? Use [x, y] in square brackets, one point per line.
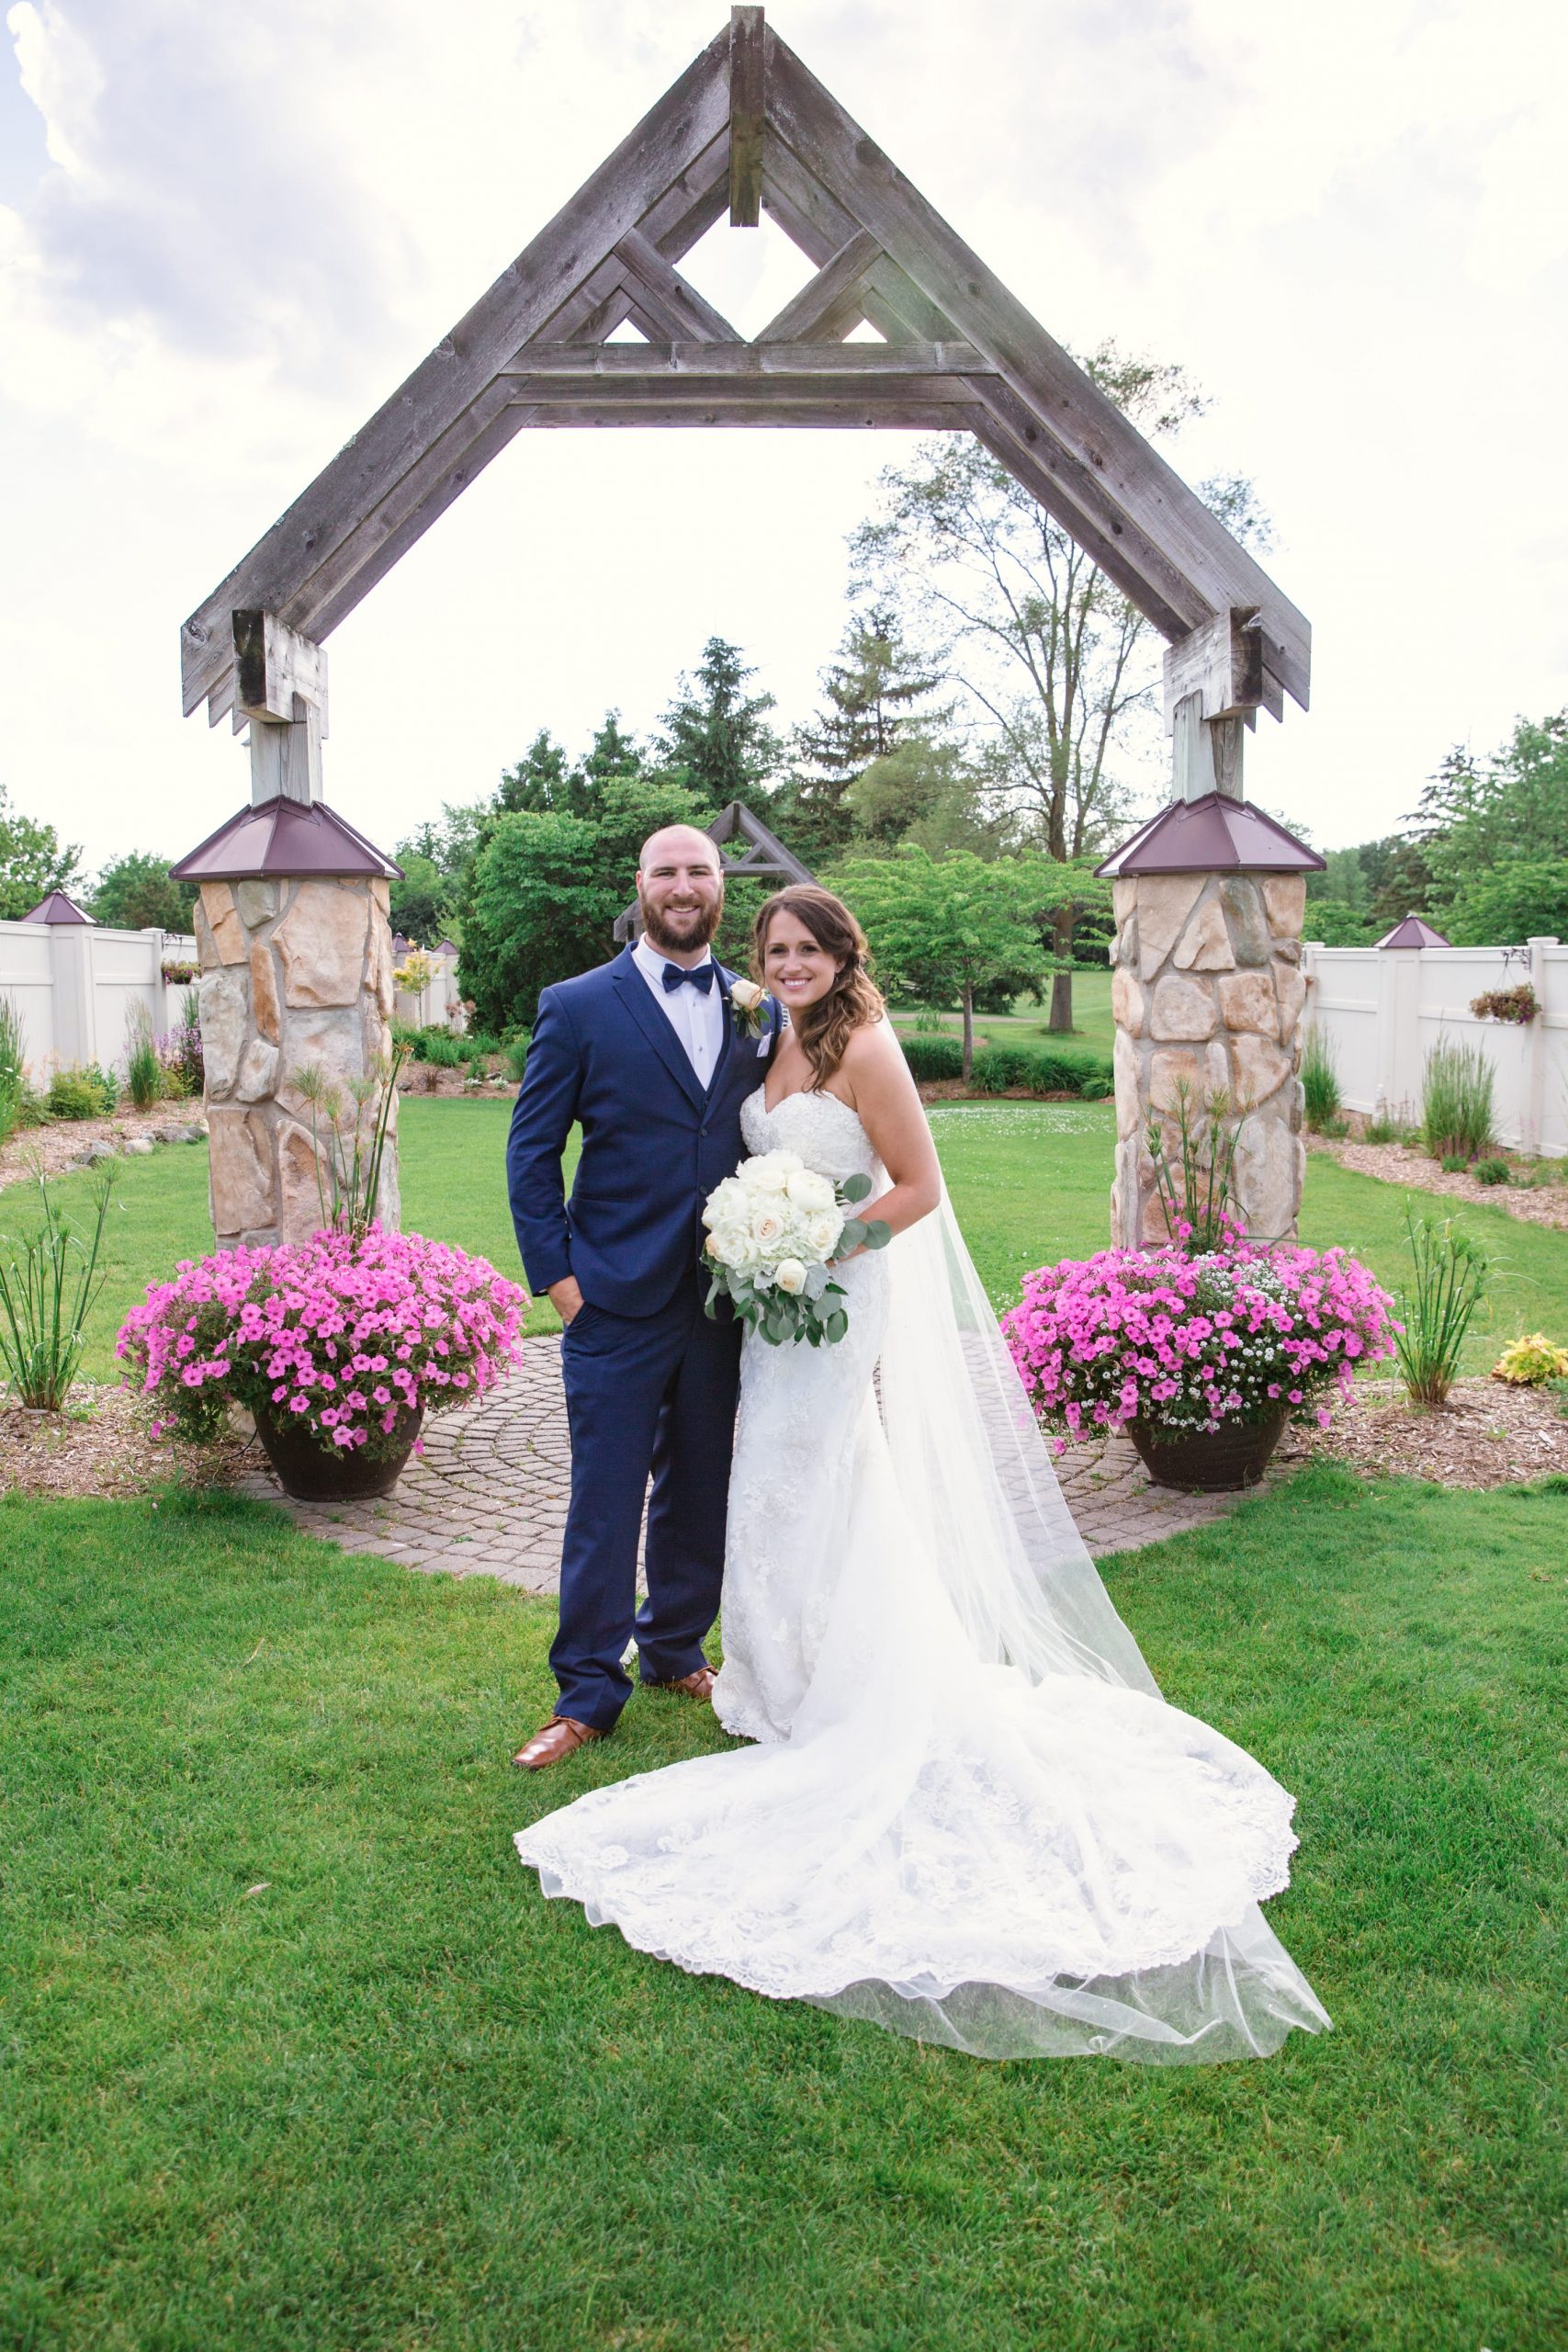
[677, 845]
[680, 888]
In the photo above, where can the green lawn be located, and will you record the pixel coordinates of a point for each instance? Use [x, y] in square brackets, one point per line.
[1093, 1028]
[1030, 1183]
[295, 2055]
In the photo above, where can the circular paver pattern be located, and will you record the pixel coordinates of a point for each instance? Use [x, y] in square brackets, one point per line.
[487, 1496]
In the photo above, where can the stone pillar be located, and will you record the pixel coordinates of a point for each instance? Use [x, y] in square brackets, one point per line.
[293, 971]
[1208, 988]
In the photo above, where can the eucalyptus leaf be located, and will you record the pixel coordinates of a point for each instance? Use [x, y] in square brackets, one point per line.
[878, 1234]
[855, 1188]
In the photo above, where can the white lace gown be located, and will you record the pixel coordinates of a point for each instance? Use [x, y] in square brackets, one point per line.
[1014, 1859]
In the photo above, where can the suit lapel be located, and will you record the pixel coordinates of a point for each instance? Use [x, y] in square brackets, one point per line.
[636, 995]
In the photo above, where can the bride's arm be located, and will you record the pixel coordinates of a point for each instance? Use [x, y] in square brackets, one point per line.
[875, 1077]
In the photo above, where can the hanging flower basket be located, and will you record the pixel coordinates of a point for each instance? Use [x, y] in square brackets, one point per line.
[339, 1346]
[1201, 1360]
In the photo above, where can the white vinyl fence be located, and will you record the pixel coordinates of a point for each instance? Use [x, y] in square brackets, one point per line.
[74, 984]
[1382, 1010]
[438, 1004]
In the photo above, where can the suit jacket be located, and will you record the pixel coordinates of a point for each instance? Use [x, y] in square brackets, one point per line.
[654, 1144]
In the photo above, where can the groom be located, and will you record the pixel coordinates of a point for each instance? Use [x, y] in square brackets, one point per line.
[648, 1053]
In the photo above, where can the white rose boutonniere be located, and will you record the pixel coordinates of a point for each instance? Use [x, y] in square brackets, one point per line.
[748, 1002]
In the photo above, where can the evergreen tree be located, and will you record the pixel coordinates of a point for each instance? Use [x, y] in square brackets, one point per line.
[611, 758]
[541, 781]
[717, 742]
[870, 695]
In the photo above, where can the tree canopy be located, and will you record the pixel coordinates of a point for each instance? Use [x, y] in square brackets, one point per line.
[137, 892]
[33, 862]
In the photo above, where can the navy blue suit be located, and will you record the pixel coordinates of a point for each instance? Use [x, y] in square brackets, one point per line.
[650, 1381]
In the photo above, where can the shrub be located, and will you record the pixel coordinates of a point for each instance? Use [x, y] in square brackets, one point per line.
[1448, 1278]
[1386, 1130]
[347, 1334]
[84, 1093]
[932, 1058]
[1320, 1079]
[441, 1046]
[481, 1042]
[46, 1295]
[1455, 1163]
[1492, 1171]
[184, 1071]
[1224, 1340]
[1533, 1363]
[1456, 1101]
[144, 1071]
[515, 1055]
[13, 1072]
[1042, 1069]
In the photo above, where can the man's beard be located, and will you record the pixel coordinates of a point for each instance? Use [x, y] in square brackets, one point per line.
[692, 926]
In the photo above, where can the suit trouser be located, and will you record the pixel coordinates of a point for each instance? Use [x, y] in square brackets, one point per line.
[657, 1392]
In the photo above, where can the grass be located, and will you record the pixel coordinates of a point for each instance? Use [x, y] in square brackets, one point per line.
[1093, 1028]
[1030, 1183]
[296, 2055]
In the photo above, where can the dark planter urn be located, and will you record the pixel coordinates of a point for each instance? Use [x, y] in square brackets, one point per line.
[1207, 1461]
[345, 1475]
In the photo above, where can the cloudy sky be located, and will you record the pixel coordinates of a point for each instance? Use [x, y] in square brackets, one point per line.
[226, 235]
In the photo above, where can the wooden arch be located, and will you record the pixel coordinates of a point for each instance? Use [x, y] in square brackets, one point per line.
[746, 129]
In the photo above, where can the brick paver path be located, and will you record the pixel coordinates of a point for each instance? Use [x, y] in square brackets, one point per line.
[488, 1497]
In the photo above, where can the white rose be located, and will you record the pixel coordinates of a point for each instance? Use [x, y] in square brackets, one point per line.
[746, 994]
[767, 1228]
[726, 1203]
[790, 1275]
[809, 1191]
[767, 1175]
[822, 1232]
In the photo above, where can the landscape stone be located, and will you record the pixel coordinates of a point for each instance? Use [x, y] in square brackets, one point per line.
[1170, 1068]
[321, 941]
[1266, 1178]
[1285, 900]
[1205, 944]
[264, 992]
[1247, 1001]
[1182, 1008]
[1260, 1067]
[140, 1145]
[259, 1072]
[1126, 1000]
[1127, 1066]
[333, 1041]
[1165, 901]
[1292, 989]
[227, 931]
[225, 1018]
[1250, 933]
[301, 1193]
[242, 1172]
[102, 1149]
[257, 902]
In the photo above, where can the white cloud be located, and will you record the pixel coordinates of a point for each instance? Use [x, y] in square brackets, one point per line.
[1349, 226]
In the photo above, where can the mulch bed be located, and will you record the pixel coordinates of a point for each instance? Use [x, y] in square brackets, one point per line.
[102, 1444]
[1395, 1163]
[65, 1143]
[1488, 1434]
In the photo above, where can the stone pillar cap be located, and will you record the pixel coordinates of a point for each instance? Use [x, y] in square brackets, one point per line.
[1214, 835]
[283, 837]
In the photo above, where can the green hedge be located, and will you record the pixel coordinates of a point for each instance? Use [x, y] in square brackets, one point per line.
[1042, 1069]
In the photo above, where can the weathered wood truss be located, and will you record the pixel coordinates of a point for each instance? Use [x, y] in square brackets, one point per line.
[747, 128]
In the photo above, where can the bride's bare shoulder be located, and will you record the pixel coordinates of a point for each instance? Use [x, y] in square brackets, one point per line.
[873, 1058]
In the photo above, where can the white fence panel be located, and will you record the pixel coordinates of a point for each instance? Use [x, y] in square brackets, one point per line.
[73, 985]
[1382, 1010]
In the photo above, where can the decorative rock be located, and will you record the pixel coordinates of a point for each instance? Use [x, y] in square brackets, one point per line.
[99, 1152]
[1182, 1008]
[257, 902]
[1126, 996]
[224, 1021]
[259, 1072]
[321, 940]
[264, 1006]
[1285, 900]
[1260, 1067]
[1205, 944]
[1165, 901]
[242, 1173]
[140, 1145]
[223, 924]
[1244, 904]
[1247, 1001]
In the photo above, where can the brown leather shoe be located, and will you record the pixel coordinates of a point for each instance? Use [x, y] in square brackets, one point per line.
[562, 1736]
[693, 1686]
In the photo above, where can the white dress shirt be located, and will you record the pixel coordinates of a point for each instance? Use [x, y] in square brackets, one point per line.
[697, 1020]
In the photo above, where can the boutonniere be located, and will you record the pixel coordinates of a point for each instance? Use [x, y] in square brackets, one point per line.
[750, 1007]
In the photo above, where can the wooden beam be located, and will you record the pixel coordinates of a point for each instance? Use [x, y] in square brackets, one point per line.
[685, 314]
[831, 306]
[812, 219]
[1221, 662]
[1087, 425]
[666, 141]
[751, 392]
[747, 108]
[899, 411]
[275, 671]
[634, 361]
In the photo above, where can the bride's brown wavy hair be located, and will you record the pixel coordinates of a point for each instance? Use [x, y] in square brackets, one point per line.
[824, 1028]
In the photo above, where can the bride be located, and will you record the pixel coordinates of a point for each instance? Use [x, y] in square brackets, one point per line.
[967, 1813]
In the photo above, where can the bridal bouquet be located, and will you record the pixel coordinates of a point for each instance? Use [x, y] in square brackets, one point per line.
[773, 1230]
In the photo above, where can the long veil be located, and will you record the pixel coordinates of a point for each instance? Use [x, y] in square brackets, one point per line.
[974, 1475]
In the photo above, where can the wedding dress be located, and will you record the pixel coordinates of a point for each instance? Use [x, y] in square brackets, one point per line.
[968, 1813]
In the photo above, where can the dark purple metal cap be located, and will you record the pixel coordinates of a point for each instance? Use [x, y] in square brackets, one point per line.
[1214, 835]
[58, 907]
[283, 837]
[1413, 933]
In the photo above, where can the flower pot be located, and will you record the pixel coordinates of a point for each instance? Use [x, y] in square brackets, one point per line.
[347, 1475]
[1207, 1461]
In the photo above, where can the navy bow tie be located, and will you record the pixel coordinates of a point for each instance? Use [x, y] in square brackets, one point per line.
[677, 976]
